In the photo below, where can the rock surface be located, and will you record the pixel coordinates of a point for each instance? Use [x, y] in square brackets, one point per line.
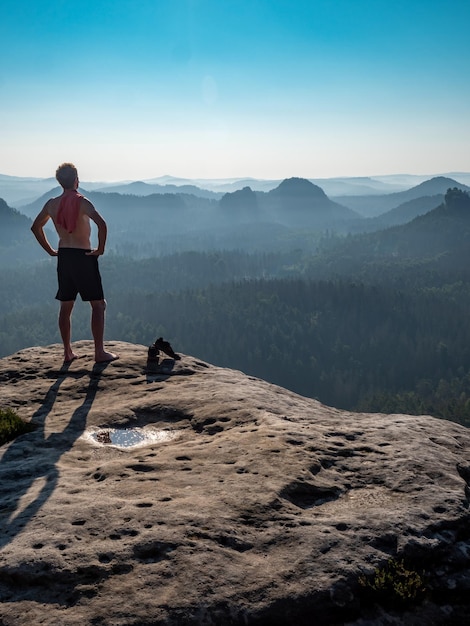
[243, 503]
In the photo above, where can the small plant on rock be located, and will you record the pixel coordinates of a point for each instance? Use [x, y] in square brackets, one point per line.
[394, 583]
[11, 425]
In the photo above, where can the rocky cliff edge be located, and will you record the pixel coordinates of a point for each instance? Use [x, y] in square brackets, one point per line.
[193, 494]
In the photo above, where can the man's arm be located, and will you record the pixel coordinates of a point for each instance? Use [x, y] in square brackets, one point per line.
[102, 228]
[38, 231]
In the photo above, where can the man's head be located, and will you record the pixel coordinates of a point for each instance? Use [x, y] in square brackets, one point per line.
[66, 175]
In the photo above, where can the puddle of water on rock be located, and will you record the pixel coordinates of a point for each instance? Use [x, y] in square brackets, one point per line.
[128, 437]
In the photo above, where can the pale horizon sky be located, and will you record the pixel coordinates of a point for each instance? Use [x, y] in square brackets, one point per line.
[223, 89]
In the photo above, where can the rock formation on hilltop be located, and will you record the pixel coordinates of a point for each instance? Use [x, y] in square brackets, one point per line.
[299, 188]
[241, 203]
[301, 203]
[193, 494]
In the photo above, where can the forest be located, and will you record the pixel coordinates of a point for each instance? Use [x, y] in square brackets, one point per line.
[369, 322]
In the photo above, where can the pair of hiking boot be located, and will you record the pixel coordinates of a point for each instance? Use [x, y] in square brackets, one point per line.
[161, 346]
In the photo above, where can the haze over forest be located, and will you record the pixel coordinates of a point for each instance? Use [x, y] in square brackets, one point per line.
[354, 291]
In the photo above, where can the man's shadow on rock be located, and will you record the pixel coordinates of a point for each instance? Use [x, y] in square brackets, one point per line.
[33, 456]
[159, 370]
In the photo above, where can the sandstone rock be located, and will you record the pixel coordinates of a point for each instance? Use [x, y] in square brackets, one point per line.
[240, 502]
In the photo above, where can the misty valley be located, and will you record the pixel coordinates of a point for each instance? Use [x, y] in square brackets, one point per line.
[358, 299]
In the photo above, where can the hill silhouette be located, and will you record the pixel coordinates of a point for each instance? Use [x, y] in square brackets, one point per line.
[445, 229]
[439, 239]
[403, 213]
[242, 204]
[16, 242]
[14, 227]
[304, 203]
[373, 205]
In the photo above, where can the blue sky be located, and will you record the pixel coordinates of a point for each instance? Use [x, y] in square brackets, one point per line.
[136, 89]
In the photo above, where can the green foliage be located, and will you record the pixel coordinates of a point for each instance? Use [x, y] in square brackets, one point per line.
[393, 584]
[11, 426]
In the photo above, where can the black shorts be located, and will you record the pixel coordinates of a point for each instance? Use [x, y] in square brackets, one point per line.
[78, 273]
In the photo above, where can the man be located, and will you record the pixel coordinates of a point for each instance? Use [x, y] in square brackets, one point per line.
[77, 262]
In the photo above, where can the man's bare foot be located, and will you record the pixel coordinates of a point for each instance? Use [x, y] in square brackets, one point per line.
[105, 357]
[70, 356]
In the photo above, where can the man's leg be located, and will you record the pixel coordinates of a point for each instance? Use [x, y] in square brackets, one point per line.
[98, 308]
[65, 326]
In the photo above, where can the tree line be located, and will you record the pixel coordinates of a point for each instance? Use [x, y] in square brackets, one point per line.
[350, 345]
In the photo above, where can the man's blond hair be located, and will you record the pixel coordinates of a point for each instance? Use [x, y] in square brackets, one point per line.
[66, 175]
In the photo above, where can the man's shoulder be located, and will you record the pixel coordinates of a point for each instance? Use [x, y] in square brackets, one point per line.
[52, 203]
[86, 204]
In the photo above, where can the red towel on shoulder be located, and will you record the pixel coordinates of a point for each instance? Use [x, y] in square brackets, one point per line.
[69, 207]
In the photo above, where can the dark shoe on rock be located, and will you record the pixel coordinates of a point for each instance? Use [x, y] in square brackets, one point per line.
[152, 356]
[165, 347]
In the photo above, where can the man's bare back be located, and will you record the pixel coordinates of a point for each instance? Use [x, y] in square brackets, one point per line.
[80, 237]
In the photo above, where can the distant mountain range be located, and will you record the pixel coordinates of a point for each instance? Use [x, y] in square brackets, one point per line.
[373, 205]
[140, 188]
[296, 199]
[424, 198]
[295, 202]
[293, 215]
[18, 191]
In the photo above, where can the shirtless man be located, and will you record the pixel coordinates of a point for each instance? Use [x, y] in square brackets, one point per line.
[77, 263]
